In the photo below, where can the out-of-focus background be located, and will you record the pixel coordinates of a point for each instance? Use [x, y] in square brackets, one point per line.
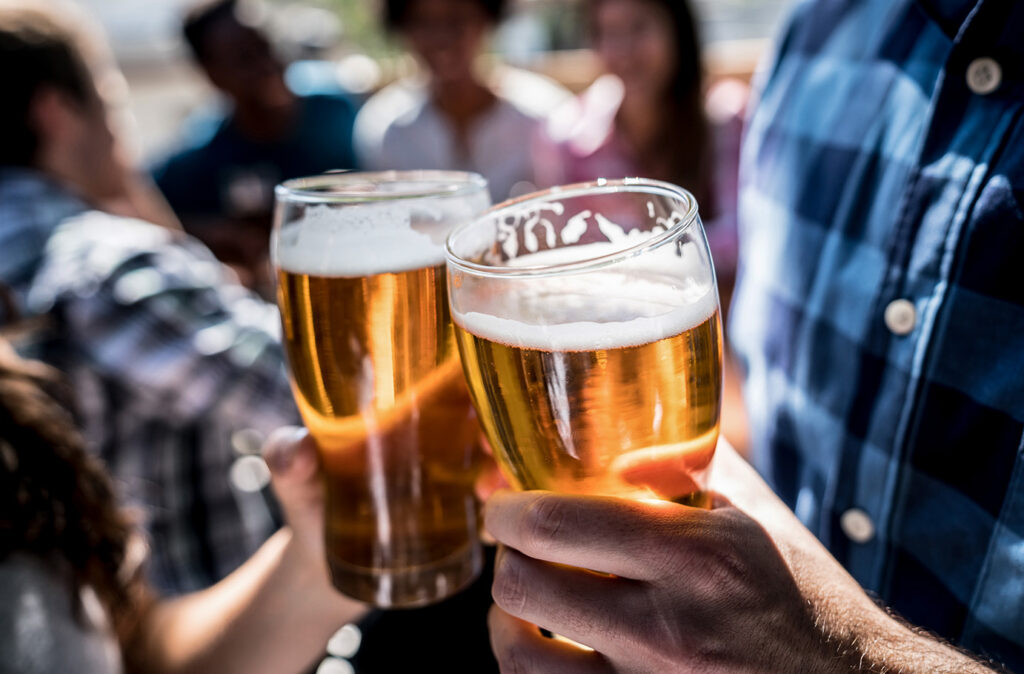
[342, 39]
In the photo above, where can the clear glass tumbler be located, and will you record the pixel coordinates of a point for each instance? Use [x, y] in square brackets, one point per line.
[360, 270]
[589, 328]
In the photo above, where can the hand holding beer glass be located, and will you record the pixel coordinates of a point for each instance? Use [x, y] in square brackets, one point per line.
[588, 323]
[376, 375]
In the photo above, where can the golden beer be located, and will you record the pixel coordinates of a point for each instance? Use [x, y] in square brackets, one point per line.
[377, 379]
[595, 380]
[635, 421]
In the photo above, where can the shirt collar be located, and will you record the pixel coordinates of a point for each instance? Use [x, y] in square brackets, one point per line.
[27, 185]
[950, 15]
[995, 29]
[32, 205]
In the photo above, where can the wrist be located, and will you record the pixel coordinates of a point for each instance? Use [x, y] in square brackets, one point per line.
[298, 570]
[304, 574]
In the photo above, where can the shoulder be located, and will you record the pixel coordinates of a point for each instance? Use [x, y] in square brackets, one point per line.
[153, 310]
[812, 30]
[39, 631]
[90, 252]
[202, 131]
[530, 93]
[582, 124]
[177, 166]
[97, 242]
[329, 105]
[325, 138]
[183, 173]
[398, 104]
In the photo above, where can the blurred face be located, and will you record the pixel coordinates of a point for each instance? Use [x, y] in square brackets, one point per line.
[240, 62]
[85, 149]
[635, 41]
[446, 36]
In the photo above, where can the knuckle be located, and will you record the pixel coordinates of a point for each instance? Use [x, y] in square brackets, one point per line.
[668, 558]
[509, 586]
[513, 659]
[725, 573]
[708, 553]
[544, 519]
[723, 568]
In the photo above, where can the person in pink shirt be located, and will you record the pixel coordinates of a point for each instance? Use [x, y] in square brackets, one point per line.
[649, 115]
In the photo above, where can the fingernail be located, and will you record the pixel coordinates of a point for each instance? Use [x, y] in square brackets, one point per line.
[279, 451]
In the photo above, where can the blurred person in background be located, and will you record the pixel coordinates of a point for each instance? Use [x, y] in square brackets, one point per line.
[174, 364]
[118, 186]
[72, 597]
[649, 115]
[177, 369]
[454, 115]
[221, 182]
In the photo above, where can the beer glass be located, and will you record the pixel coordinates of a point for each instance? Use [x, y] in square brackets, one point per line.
[359, 259]
[588, 324]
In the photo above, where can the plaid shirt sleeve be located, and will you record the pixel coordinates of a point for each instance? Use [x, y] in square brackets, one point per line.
[178, 372]
[880, 310]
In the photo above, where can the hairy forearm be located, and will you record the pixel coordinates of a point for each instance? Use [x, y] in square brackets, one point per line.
[855, 633]
[858, 635]
[883, 644]
[274, 614]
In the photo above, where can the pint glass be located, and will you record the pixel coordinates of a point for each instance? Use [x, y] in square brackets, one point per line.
[588, 323]
[359, 259]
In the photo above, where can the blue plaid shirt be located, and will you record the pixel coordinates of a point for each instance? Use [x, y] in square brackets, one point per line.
[177, 369]
[880, 311]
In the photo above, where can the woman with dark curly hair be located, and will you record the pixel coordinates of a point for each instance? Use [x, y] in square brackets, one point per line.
[64, 544]
[72, 598]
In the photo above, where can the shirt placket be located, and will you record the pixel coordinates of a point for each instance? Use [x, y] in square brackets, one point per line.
[929, 234]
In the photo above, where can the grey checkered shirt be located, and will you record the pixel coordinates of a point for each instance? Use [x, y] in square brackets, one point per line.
[177, 369]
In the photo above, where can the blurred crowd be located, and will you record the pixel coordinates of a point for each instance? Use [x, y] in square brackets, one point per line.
[141, 373]
[459, 110]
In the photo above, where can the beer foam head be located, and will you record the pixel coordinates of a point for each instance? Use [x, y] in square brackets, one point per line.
[632, 303]
[360, 240]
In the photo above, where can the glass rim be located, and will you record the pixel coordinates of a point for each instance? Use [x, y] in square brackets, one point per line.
[599, 186]
[355, 187]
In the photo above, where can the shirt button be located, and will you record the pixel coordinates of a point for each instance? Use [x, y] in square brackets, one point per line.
[900, 317]
[335, 666]
[249, 474]
[984, 75]
[247, 441]
[857, 525]
[345, 642]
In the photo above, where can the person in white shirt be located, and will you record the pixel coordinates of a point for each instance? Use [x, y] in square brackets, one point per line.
[452, 115]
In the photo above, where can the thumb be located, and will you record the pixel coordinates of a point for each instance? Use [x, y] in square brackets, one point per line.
[290, 453]
[294, 466]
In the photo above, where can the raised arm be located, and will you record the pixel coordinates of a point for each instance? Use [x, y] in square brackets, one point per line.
[277, 611]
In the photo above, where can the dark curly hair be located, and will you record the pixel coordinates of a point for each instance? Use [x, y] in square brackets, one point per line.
[396, 11]
[56, 500]
[200, 18]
